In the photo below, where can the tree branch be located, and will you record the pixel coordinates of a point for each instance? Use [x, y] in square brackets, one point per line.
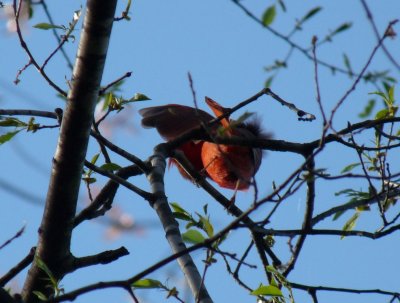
[57, 223]
[104, 257]
[104, 199]
[171, 227]
[18, 268]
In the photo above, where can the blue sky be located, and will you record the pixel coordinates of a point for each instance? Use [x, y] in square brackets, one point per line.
[226, 52]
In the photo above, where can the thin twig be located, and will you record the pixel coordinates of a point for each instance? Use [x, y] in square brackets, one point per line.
[316, 80]
[307, 225]
[144, 194]
[32, 60]
[17, 235]
[50, 18]
[330, 232]
[370, 18]
[359, 77]
[287, 39]
[104, 89]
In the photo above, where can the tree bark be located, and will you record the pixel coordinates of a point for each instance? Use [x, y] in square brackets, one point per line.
[57, 223]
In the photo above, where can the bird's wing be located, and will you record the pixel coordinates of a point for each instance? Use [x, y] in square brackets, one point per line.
[173, 120]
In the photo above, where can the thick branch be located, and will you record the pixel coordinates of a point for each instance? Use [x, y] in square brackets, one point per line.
[57, 222]
[171, 227]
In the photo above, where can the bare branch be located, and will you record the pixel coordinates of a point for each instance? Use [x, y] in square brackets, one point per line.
[32, 60]
[103, 201]
[347, 290]
[104, 257]
[104, 89]
[146, 195]
[359, 77]
[18, 268]
[370, 18]
[310, 165]
[17, 235]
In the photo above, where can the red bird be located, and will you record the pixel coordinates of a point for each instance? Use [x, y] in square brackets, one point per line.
[230, 166]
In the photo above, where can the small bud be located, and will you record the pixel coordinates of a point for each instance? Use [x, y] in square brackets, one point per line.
[390, 32]
[314, 40]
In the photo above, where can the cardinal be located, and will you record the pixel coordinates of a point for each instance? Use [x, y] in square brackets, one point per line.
[230, 166]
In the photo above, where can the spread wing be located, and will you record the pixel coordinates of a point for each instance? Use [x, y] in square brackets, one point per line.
[172, 120]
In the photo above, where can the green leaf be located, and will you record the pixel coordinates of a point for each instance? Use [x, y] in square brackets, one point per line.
[47, 26]
[177, 207]
[233, 123]
[269, 15]
[391, 95]
[180, 212]
[193, 236]
[341, 28]
[274, 282]
[351, 223]
[338, 214]
[363, 208]
[40, 295]
[390, 79]
[388, 98]
[128, 5]
[281, 279]
[173, 292]
[205, 208]
[357, 195]
[89, 180]
[30, 11]
[8, 136]
[110, 166]
[44, 267]
[269, 240]
[267, 290]
[350, 167]
[206, 225]
[386, 86]
[94, 159]
[271, 269]
[311, 13]
[108, 99]
[346, 192]
[382, 114]
[139, 97]
[12, 122]
[368, 109]
[147, 283]
[243, 117]
[268, 82]
[346, 61]
[393, 111]
[382, 95]
[181, 216]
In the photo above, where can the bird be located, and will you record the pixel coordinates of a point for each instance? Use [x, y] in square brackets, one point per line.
[230, 166]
